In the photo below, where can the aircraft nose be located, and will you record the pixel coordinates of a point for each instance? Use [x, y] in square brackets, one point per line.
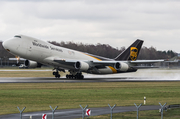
[7, 45]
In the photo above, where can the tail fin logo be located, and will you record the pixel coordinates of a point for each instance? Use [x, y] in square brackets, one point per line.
[133, 53]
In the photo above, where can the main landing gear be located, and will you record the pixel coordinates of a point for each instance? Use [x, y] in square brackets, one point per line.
[77, 76]
[56, 73]
[72, 75]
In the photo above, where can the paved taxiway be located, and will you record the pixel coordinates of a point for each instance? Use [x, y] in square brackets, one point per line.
[76, 113]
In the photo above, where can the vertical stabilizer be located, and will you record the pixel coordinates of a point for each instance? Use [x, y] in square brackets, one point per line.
[132, 52]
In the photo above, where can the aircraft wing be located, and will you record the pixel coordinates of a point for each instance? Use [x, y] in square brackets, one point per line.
[61, 60]
[134, 64]
[113, 63]
[93, 62]
[90, 62]
[145, 61]
[144, 67]
[109, 63]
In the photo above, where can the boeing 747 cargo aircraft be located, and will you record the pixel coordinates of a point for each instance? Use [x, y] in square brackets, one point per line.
[38, 52]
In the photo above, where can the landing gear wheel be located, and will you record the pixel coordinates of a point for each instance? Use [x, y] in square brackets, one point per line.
[82, 77]
[56, 74]
[77, 76]
[69, 76]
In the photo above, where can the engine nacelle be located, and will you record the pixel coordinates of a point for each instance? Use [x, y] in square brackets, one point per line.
[83, 66]
[121, 66]
[32, 64]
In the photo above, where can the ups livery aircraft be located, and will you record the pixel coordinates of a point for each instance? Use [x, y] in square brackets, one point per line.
[38, 52]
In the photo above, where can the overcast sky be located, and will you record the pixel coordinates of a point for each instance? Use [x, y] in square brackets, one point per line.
[114, 22]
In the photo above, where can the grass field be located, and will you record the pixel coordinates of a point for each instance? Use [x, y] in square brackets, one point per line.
[38, 96]
[27, 73]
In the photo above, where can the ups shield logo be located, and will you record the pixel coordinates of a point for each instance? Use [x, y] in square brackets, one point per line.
[133, 53]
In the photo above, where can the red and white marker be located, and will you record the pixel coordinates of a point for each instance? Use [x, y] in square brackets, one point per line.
[44, 116]
[88, 112]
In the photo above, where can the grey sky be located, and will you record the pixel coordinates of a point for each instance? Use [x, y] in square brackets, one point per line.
[114, 22]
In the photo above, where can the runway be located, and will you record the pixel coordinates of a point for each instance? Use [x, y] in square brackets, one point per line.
[77, 113]
[64, 80]
[147, 75]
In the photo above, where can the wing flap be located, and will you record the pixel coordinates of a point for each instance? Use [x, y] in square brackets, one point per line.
[144, 67]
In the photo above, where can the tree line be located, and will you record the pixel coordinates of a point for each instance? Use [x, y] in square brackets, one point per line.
[108, 51]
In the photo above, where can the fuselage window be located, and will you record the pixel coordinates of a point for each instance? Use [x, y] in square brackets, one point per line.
[18, 36]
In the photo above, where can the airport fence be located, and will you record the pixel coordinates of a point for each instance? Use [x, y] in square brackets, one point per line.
[86, 113]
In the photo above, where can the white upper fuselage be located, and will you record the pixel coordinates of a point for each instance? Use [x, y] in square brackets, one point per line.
[34, 49]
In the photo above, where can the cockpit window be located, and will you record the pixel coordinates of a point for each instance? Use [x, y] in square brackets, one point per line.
[18, 36]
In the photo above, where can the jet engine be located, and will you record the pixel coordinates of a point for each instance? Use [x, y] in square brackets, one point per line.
[83, 66]
[121, 66]
[32, 64]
